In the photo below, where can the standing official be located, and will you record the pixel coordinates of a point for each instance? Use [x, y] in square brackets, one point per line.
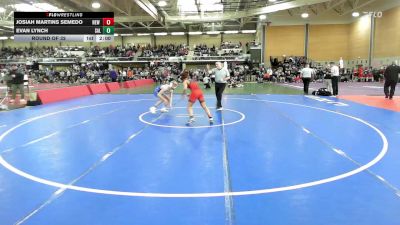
[335, 78]
[341, 66]
[391, 78]
[221, 77]
[17, 84]
[306, 74]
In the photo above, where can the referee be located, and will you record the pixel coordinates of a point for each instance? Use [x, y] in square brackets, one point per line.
[391, 78]
[306, 74]
[221, 77]
[335, 78]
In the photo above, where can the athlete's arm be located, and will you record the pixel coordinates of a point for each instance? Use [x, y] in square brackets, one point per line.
[185, 87]
[228, 76]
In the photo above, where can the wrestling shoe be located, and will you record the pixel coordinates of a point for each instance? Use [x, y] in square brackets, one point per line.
[164, 110]
[153, 110]
[190, 121]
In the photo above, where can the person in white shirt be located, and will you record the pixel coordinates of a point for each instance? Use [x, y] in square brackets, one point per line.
[306, 74]
[341, 65]
[206, 82]
[164, 94]
[269, 71]
[328, 80]
[124, 74]
[335, 78]
[221, 77]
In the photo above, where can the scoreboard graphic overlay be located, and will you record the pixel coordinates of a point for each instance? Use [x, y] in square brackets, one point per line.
[64, 26]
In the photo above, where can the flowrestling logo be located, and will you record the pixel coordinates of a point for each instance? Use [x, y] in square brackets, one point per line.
[378, 14]
[327, 100]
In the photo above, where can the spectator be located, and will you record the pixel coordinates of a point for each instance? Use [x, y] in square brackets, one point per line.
[206, 82]
[6, 77]
[360, 72]
[113, 75]
[341, 65]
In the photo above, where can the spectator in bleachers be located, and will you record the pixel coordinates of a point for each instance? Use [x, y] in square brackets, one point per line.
[164, 51]
[113, 75]
[206, 82]
[360, 72]
[341, 65]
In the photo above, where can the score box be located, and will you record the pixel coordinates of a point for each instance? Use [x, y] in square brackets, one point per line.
[89, 38]
[108, 21]
[108, 30]
[61, 38]
[46, 38]
[104, 38]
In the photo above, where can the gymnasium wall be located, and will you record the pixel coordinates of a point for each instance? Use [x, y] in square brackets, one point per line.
[387, 34]
[169, 39]
[284, 40]
[328, 42]
[236, 38]
[359, 37]
[142, 40]
[209, 40]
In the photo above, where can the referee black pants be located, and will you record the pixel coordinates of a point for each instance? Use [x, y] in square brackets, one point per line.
[335, 85]
[219, 90]
[392, 85]
[306, 82]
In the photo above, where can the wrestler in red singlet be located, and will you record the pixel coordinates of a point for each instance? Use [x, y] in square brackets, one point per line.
[196, 94]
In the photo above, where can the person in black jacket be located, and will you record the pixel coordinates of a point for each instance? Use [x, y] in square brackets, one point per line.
[391, 78]
[17, 83]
